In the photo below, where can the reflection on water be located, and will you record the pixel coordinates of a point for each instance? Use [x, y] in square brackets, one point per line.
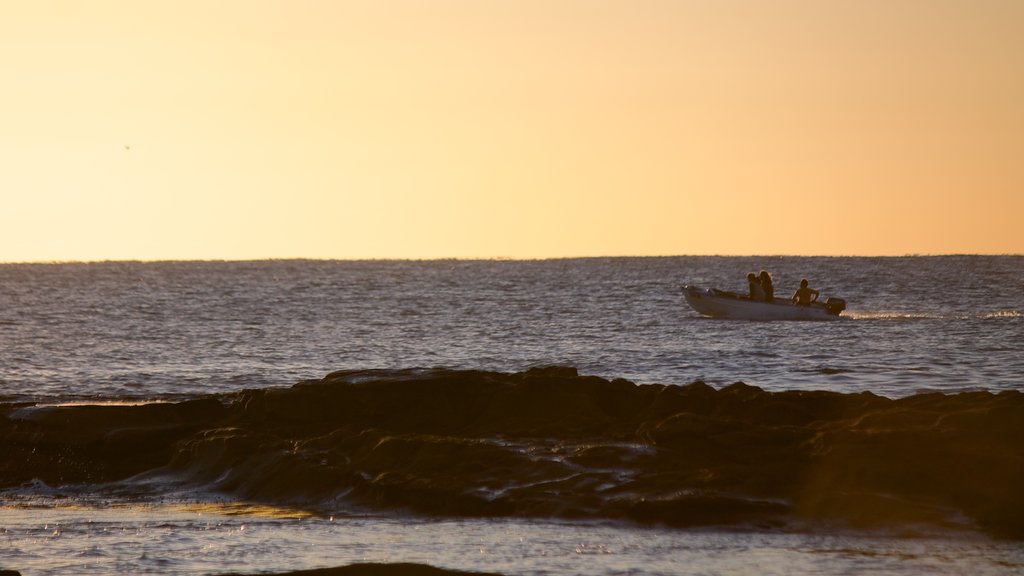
[189, 539]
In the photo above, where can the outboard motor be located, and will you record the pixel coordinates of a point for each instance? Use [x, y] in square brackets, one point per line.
[835, 305]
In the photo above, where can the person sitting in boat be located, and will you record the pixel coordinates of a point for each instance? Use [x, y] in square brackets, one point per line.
[766, 285]
[756, 291]
[804, 295]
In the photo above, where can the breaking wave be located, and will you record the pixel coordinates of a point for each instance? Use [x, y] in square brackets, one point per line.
[550, 443]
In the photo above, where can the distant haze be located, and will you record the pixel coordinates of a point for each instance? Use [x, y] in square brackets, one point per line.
[520, 128]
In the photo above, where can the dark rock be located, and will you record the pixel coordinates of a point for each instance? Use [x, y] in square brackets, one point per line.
[548, 442]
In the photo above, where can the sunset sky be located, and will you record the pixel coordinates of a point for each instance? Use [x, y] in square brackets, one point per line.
[520, 128]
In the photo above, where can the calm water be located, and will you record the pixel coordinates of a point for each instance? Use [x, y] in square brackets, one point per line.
[117, 330]
[124, 331]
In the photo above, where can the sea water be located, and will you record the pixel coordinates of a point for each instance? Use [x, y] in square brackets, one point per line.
[193, 542]
[131, 332]
[172, 329]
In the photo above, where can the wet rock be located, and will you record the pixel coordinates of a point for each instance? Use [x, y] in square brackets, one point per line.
[549, 442]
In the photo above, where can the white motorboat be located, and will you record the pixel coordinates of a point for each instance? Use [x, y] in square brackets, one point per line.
[722, 304]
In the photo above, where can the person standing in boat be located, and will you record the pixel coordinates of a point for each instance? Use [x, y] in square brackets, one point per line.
[766, 285]
[804, 295]
[756, 291]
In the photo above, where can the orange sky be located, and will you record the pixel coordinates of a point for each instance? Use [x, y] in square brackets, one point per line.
[521, 128]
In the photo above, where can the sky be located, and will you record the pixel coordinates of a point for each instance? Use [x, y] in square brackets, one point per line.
[251, 129]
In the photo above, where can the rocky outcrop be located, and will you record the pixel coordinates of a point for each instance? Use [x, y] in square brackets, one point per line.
[551, 443]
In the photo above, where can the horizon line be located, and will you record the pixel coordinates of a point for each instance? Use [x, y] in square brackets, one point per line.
[496, 258]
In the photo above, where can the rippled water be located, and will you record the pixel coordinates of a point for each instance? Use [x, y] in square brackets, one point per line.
[124, 331]
[210, 540]
[183, 328]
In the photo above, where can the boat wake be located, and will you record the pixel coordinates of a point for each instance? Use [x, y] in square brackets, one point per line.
[906, 316]
[893, 316]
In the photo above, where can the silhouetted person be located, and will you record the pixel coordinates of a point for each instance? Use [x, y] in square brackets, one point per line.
[756, 292]
[805, 295]
[766, 284]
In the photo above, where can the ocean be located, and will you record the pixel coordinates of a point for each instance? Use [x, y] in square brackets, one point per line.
[93, 353]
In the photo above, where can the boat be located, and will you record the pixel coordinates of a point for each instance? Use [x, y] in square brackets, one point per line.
[722, 304]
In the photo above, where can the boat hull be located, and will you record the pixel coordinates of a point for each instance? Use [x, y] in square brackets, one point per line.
[718, 304]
